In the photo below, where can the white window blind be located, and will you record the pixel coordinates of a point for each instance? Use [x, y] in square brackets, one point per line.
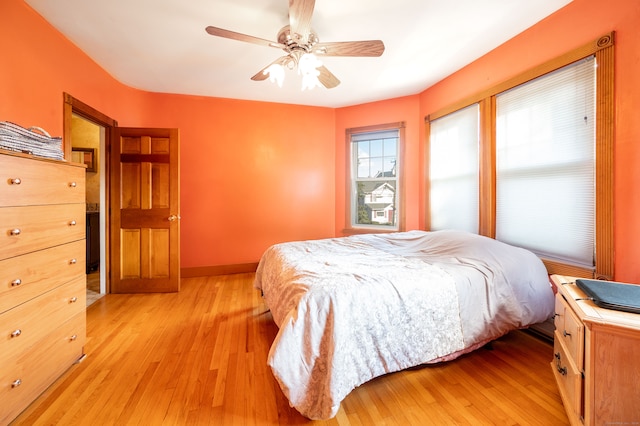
[453, 170]
[545, 162]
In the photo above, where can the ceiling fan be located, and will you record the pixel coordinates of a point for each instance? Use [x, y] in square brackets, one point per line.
[302, 47]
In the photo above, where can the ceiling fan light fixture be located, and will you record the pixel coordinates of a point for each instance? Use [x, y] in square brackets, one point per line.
[275, 73]
[308, 65]
[310, 81]
[299, 40]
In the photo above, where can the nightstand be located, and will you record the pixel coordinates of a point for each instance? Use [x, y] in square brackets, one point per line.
[596, 359]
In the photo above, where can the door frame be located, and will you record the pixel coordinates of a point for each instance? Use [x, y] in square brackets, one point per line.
[73, 106]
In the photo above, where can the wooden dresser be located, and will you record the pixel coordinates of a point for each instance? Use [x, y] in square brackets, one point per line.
[42, 276]
[596, 359]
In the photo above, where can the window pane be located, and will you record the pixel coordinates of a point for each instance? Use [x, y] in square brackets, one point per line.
[545, 155]
[453, 171]
[390, 166]
[362, 149]
[376, 167]
[376, 148]
[390, 146]
[363, 168]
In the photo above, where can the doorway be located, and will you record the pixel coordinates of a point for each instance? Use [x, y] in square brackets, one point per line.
[88, 132]
[139, 239]
[87, 146]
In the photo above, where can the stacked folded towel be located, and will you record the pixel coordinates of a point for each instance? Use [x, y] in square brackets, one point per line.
[33, 140]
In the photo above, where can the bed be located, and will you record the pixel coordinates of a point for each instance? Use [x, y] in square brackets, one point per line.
[354, 308]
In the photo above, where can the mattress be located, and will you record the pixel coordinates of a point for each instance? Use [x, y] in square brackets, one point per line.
[354, 308]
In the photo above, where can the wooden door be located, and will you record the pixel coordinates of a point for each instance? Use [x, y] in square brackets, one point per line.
[145, 210]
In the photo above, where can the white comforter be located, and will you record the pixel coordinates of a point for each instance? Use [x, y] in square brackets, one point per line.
[351, 309]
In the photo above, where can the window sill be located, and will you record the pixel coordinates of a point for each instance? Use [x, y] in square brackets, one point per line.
[359, 231]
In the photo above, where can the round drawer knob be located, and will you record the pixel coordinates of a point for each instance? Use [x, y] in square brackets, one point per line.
[16, 333]
[16, 383]
[73, 300]
[73, 261]
[73, 223]
[74, 337]
[15, 181]
[72, 184]
[16, 282]
[15, 231]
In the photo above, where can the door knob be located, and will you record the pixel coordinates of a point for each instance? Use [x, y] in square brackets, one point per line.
[173, 217]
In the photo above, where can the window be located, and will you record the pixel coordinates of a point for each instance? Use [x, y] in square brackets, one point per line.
[545, 158]
[453, 171]
[374, 197]
[545, 161]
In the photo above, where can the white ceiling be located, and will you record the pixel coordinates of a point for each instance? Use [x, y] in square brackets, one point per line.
[162, 46]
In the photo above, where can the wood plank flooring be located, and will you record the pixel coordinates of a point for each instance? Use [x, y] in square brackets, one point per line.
[198, 357]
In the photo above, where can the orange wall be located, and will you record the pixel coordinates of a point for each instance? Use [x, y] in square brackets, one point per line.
[576, 24]
[251, 175]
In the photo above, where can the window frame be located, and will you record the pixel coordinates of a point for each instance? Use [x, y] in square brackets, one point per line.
[350, 228]
[603, 50]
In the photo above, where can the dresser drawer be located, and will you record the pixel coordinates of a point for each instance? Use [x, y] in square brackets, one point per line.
[25, 181]
[24, 277]
[27, 229]
[26, 376]
[569, 330]
[568, 377]
[23, 326]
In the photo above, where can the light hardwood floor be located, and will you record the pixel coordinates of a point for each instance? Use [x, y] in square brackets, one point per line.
[198, 357]
[93, 287]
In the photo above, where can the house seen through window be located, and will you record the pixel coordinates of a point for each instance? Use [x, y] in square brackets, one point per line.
[374, 179]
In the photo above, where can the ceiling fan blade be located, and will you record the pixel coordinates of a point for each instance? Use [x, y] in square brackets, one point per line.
[327, 79]
[350, 48]
[260, 76]
[300, 13]
[219, 32]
